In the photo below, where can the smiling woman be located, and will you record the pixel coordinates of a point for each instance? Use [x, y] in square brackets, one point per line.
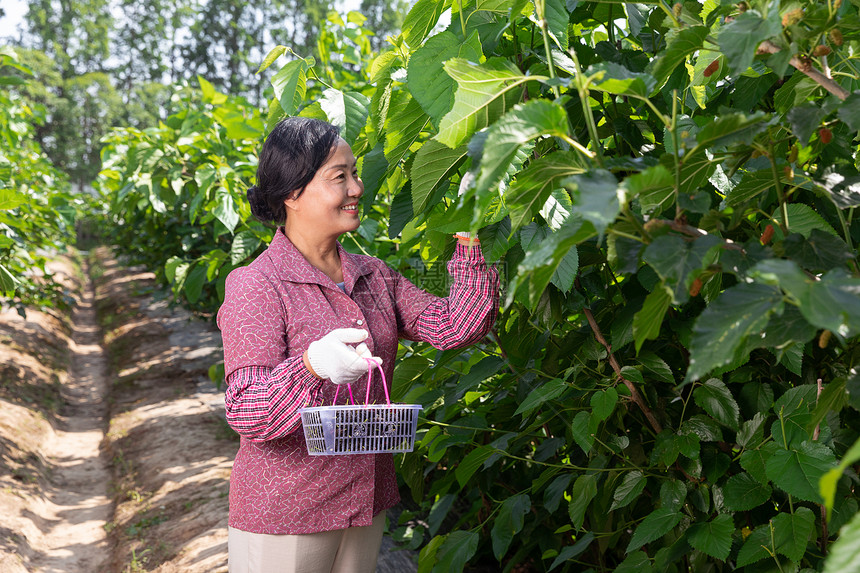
[302, 318]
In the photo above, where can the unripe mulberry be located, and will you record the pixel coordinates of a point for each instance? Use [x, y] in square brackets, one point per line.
[788, 172]
[792, 155]
[792, 17]
[824, 339]
[825, 135]
[712, 67]
[836, 37]
[696, 287]
[821, 50]
[743, 7]
[767, 235]
[676, 9]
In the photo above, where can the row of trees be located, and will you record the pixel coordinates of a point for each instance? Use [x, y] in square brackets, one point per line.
[670, 191]
[102, 63]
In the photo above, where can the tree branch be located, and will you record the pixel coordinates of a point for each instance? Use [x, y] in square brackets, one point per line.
[768, 47]
[634, 392]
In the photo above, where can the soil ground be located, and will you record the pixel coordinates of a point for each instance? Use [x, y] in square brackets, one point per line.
[114, 452]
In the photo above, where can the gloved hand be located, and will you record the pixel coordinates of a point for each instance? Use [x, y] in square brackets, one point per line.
[467, 181]
[332, 356]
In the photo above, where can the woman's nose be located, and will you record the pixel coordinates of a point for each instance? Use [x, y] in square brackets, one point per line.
[356, 187]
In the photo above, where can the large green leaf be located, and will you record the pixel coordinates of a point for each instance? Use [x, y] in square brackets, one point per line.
[714, 537]
[289, 85]
[584, 490]
[557, 18]
[629, 489]
[715, 398]
[420, 20]
[758, 546]
[798, 472]
[616, 79]
[426, 77]
[8, 282]
[844, 554]
[434, 163]
[225, 209]
[484, 92]
[731, 128]
[677, 261]
[517, 127]
[721, 331]
[572, 551]
[244, 245]
[649, 319]
[455, 552]
[10, 198]
[406, 121]
[534, 184]
[791, 532]
[543, 393]
[596, 197]
[509, 522]
[743, 492]
[346, 110]
[657, 524]
[467, 467]
[803, 219]
[849, 111]
[679, 45]
[739, 39]
[827, 484]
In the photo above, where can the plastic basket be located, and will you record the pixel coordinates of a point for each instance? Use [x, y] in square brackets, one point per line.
[360, 429]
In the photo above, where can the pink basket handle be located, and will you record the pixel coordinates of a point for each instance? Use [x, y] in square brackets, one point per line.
[370, 364]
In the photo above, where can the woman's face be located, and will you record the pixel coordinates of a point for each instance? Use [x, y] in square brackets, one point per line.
[329, 203]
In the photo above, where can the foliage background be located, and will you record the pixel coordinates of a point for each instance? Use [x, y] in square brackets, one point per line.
[670, 191]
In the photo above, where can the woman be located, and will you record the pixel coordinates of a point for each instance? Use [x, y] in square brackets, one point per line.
[301, 319]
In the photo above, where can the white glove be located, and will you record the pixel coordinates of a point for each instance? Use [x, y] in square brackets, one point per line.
[332, 356]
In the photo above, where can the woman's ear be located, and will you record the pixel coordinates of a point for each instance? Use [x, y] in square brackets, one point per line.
[290, 202]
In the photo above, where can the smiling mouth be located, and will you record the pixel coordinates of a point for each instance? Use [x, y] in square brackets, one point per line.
[351, 208]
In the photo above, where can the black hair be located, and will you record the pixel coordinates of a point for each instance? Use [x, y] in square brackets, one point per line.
[291, 156]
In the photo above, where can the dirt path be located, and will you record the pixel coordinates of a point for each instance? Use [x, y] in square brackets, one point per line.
[77, 503]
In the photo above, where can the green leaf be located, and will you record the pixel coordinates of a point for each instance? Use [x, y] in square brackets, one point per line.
[672, 494]
[225, 209]
[555, 491]
[543, 393]
[8, 282]
[751, 434]
[244, 245]
[210, 94]
[484, 92]
[347, 111]
[743, 492]
[739, 39]
[596, 197]
[678, 260]
[756, 547]
[721, 331]
[629, 489]
[754, 461]
[649, 319]
[791, 532]
[570, 551]
[803, 219]
[434, 163]
[566, 271]
[849, 111]
[558, 21]
[820, 252]
[603, 403]
[10, 199]
[636, 562]
[420, 20]
[401, 211]
[844, 554]
[798, 472]
[289, 85]
[194, 282]
[833, 398]
[533, 186]
[616, 79]
[517, 127]
[657, 524]
[581, 434]
[406, 121]
[679, 46]
[509, 522]
[713, 538]
[715, 398]
[653, 187]
[731, 128]
[454, 553]
[805, 120]
[828, 482]
[470, 464]
[426, 77]
[273, 55]
[584, 490]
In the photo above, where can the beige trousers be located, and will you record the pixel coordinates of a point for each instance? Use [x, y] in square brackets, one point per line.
[352, 550]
